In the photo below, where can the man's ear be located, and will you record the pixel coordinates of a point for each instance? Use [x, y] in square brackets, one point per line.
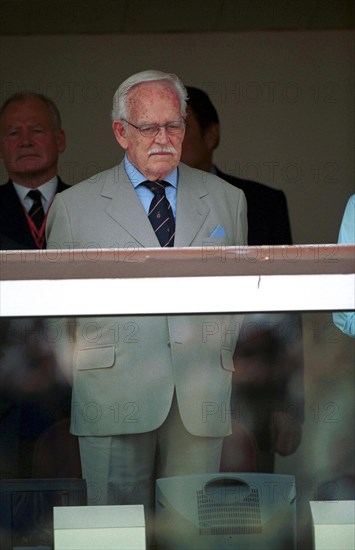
[211, 136]
[119, 130]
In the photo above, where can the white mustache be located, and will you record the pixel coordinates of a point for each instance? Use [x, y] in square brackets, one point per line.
[159, 150]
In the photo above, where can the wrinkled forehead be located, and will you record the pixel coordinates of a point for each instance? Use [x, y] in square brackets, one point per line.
[28, 108]
[149, 96]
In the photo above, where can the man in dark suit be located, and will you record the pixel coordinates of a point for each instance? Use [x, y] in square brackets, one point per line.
[32, 396]
[31, 140]
[267, 395]
[268, 220]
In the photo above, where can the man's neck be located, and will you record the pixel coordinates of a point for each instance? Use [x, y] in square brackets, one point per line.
[206, 166]
[32, 181]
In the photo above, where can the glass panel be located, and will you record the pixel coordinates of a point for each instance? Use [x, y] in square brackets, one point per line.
[292, 392]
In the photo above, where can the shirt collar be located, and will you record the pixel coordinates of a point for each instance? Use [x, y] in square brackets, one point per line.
[136, 177]
[48, 190]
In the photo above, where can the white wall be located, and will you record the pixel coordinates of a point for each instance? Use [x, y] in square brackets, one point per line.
[285, 101]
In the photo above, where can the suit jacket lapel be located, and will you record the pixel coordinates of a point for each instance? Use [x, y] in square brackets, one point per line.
[13, 222]
[191, 213]
[13, 219]
[126, 209]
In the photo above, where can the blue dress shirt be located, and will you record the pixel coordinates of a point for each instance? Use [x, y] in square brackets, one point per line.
[144, 194]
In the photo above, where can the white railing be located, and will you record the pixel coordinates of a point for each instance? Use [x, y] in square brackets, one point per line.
[209, 279]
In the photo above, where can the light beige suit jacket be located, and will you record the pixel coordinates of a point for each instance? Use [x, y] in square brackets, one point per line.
[126, 369]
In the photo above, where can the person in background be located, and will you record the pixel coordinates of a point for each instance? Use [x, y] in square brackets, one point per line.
[31, 140]
[149, 390]
[33, 393]
[345, 320]
[268, 219]
[267, 397]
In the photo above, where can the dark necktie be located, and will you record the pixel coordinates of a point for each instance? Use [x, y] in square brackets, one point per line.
[160, 213]
[36, 211]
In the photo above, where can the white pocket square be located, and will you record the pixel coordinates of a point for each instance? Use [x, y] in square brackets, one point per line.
[218, 232]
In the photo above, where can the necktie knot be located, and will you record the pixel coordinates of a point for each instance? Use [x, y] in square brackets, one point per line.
[35, 195]
[157, 187]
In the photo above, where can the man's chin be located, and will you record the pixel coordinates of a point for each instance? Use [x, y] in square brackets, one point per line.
[162, 167]
[30, 166]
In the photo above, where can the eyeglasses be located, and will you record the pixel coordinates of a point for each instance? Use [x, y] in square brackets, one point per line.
[152, 130]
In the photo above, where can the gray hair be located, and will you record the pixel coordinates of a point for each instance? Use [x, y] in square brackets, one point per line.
[120, 99]
[22, 96]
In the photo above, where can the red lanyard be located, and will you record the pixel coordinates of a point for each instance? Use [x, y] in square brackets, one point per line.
[37, 234]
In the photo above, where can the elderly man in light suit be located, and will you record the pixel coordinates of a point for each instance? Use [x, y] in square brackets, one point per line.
[148, 392]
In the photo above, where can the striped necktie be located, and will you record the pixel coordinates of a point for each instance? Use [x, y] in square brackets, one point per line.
[36, 211]
[160, 213]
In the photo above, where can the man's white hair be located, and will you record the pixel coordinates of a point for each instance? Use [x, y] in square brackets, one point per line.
[120, 99]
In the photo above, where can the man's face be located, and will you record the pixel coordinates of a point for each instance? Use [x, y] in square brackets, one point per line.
[30, 143]
[197, 147]
[151, 103]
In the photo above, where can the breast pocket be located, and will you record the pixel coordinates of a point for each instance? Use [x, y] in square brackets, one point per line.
[95, 358]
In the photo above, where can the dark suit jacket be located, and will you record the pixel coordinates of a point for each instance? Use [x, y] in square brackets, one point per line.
[14, 231]
[268, 220]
